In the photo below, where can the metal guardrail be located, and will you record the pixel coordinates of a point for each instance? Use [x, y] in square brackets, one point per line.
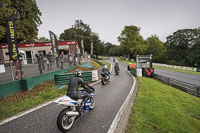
[187, 87]
[61, 80]
[100, 63]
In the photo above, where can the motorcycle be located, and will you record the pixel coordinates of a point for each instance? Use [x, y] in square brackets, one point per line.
[72, 111]
[116, 70]
[104, 78]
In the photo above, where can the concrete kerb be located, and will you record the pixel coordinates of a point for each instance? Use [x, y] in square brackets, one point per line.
[120, 121]
[36, 107]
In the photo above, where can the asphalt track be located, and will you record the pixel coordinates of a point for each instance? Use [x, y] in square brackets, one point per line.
[109, 99]
[188, 78]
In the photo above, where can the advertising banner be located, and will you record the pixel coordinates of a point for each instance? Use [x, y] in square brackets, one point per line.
[12, 38]
[54, 43]
[83, 52]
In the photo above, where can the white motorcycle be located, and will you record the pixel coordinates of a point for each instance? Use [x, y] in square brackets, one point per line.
[68, 115]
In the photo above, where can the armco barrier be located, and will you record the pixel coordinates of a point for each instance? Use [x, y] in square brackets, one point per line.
[13, 87]
[7, 89]
[187, 87]
[61, 80]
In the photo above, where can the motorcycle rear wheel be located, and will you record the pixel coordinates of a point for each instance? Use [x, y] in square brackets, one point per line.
[65, 122]
[92, 105]
[103, 81]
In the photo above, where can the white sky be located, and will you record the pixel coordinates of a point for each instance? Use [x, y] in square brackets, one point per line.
[108, 17]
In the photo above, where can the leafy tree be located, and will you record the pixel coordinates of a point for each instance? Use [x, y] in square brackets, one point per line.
[27, 18]
[181, 47]
[43, 39]
[155, 47]
[131, 41]
[108, 46]
[81, 31]
[115, 50]
[194, 56]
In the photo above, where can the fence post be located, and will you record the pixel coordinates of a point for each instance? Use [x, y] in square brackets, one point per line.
[11, 70]
[168, 80]
[198, 91]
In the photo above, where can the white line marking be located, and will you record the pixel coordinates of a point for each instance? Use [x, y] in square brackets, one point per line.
[122, 108]
[35, 108]
[24, 113]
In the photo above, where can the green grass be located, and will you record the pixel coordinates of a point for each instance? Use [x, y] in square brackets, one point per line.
[106, 63]
[125, 61]
[103, 57]
[160, 108]
[95, 64]
[24, 100]
[177, 70]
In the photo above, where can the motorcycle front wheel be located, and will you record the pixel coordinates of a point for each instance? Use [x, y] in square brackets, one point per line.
[65, 122]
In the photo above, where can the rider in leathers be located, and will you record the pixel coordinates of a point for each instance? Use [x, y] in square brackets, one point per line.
[106, 71]
[73, 86]
[116, 66]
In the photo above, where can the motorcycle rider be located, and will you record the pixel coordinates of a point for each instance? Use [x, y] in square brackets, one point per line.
[106, 72]
[19, 65]
[73, 86]
[116, 66]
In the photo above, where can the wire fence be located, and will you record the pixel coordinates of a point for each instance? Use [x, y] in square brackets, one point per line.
[187, 87]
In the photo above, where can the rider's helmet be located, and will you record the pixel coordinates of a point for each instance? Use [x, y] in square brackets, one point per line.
[105, 67]
[78, 73]
[21, 52]
[116, 64]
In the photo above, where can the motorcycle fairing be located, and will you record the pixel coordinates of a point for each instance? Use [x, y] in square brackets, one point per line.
[67, 101]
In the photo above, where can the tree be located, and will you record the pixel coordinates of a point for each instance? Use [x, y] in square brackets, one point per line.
[81, 31]
[27, 18]
[115, 51]
[108, 46]
[155, 47]
[182, 45]
[43, 39]
[131, 41]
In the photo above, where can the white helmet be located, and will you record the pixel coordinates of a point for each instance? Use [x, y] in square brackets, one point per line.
[21, 52]
[105, 67]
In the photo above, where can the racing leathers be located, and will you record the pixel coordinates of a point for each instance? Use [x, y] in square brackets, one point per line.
[73, 91]
[106, 72]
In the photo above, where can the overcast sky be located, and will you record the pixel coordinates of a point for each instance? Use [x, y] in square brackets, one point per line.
[108, 17]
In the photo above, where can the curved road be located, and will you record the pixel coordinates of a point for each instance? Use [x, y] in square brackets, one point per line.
[189, 78]
[109, 99]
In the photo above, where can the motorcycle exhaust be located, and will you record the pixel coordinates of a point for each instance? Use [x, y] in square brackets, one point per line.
[71, 113]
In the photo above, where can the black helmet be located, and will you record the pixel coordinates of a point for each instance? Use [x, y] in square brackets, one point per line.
[78, 73]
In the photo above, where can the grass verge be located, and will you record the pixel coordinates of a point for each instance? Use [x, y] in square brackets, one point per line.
[24, 100]
[103, 57]
[160, 108]
[177, 70]
[125, 61]
[106, 63]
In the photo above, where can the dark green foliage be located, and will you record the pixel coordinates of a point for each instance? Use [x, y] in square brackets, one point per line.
[183, 47]
[43, 39]
[155, 47]
[81, 31]
[131, 41]
[27, 18]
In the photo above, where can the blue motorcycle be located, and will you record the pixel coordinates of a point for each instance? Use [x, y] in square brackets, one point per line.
[68, 115]
[105, 78]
